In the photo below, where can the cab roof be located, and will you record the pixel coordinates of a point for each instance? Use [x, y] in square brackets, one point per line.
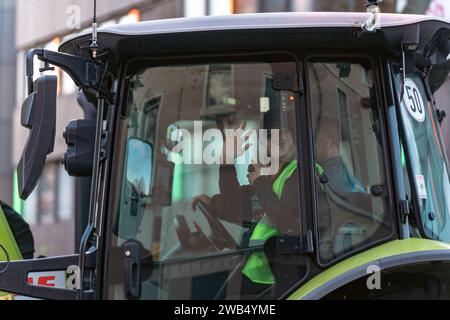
[250, 30]
[259, 21]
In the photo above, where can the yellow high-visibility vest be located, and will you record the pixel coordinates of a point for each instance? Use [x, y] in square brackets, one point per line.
[257, 268]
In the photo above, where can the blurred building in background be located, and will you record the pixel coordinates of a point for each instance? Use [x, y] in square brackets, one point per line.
[7, 97]
[45, 23]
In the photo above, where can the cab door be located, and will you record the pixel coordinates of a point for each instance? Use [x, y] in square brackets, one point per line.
[185, 214]
[353, 190]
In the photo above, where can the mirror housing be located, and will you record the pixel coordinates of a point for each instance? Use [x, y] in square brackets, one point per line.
[38, 115]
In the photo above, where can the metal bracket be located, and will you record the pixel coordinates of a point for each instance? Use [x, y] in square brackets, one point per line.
[409, 47]
[441, 115]
[286, 81]
[104, 145]
[404, 210]
[86, 73]
[295, 244]
[373, 22]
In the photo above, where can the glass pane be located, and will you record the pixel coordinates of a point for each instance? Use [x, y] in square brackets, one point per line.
[351, 187]
[426, 157]
[224, 181]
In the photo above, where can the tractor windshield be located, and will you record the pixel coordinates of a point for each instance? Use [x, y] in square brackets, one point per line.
[426, 158]
[211, 178]
[211, 182]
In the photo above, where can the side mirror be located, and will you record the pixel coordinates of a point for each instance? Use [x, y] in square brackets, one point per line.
[139, 165]
[38, 115]
[136, 187]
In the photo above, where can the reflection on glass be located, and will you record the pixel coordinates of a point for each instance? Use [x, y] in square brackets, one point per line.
[202, 252]
[220, 91]
[139, 165]
[348, 159]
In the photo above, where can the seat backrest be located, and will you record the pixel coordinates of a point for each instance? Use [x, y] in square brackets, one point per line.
[352, 220]
[346, 155]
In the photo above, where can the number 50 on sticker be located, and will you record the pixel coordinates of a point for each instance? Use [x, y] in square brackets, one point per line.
[413, 101]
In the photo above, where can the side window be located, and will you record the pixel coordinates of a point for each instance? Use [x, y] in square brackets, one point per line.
[425, 155]
[210, 180]
[351, 187]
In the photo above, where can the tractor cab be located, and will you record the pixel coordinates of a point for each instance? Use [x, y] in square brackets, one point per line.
[255, 156]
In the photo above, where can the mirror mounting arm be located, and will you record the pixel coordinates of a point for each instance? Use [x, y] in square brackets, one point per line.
[87, 74]
[409, 46]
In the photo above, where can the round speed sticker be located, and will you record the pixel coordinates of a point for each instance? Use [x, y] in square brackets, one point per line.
[413, 101]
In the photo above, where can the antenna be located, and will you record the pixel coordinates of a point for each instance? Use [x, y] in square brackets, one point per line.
[94, 45]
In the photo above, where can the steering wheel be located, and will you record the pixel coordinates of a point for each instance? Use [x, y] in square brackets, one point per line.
[220, 236]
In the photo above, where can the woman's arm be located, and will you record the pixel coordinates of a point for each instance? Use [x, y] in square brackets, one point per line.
[233, 204]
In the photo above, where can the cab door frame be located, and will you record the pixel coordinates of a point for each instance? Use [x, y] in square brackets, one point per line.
[114, 185]
[392, 182]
